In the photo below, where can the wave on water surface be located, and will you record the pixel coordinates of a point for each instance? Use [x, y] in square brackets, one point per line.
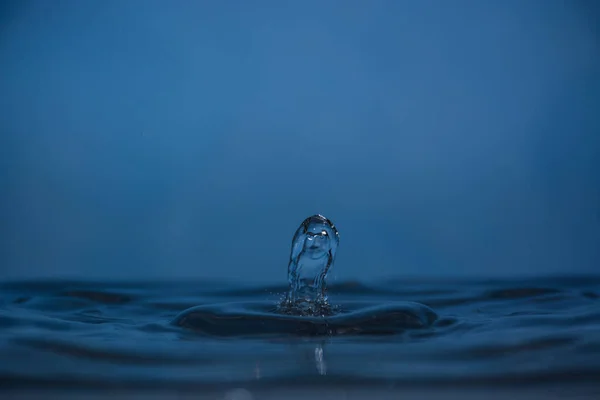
[397, 331]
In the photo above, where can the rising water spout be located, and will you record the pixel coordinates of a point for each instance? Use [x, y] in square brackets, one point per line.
[313, 252]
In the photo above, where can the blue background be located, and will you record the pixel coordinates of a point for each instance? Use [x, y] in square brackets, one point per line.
[160, 140]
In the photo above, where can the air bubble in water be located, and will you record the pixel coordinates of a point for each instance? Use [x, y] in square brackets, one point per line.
[313, 252]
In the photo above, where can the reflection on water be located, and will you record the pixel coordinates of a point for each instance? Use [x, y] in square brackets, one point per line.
[320, 361]
[238, 394]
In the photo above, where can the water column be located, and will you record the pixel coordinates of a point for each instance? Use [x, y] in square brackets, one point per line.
[313, 252]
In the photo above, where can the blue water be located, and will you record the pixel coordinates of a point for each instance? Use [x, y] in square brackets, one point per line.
[98, 335]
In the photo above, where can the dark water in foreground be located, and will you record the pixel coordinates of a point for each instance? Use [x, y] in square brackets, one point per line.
[97, 336]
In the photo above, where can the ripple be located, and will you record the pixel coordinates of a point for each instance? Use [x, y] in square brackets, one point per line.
[590, 295]
[519, 293]
[121, 356]
[522, 331]
[261, 318]
[99, 296]
[526, 346]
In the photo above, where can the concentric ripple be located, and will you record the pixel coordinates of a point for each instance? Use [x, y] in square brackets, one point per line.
[263, 318]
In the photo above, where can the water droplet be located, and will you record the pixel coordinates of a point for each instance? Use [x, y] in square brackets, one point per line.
[313, 253]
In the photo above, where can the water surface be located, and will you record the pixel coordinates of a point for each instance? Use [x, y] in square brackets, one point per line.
[92, 335]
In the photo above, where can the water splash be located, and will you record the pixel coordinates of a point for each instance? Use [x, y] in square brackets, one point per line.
[305, 310]
[314, 247]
